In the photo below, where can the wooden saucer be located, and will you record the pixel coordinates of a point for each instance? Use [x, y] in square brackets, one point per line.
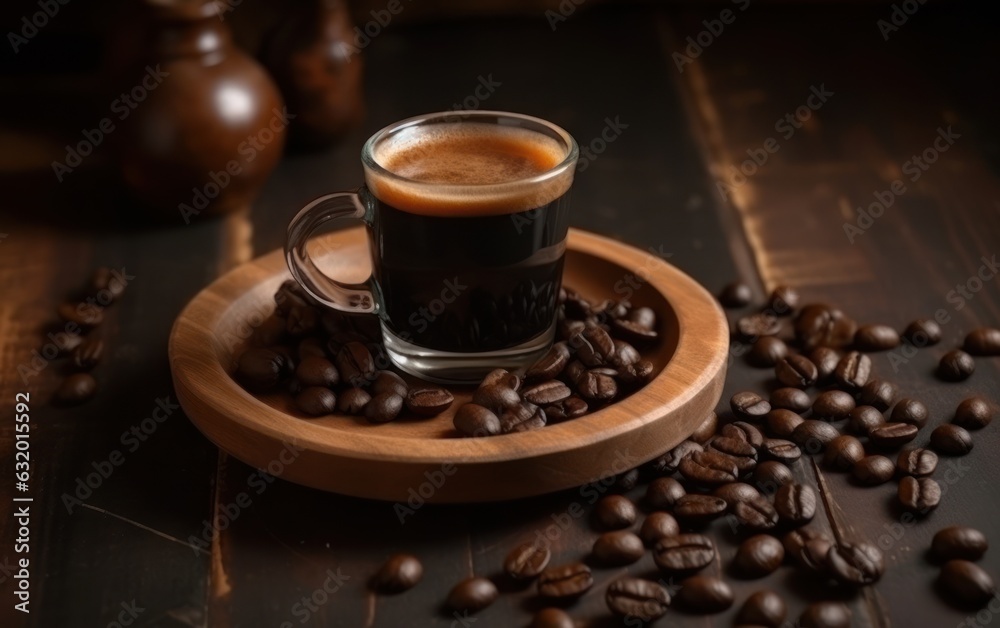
[424, 460]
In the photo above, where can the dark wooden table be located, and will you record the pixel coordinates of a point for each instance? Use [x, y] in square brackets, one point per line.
[134, 541]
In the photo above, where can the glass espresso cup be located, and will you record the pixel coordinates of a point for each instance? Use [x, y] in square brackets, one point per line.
[466, 216]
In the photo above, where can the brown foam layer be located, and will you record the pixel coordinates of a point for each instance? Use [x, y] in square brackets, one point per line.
[468, 169]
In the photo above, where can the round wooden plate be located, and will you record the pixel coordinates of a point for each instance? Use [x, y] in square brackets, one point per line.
[409, 457]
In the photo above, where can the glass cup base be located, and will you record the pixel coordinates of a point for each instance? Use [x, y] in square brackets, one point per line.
[445, 367]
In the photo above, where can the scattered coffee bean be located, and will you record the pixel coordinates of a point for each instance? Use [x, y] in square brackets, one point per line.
[807, 548]
[399, 573]
[832, 405]
[565, 581]
[892, 435]
[707, 429]
[636, 598]
[260, 369]
[316, 401]
[76, 388]
[471, 595]
[109, 281]
[383, 407]
[763, 608]
[695, 509]
[523, 417]
[875, 338]
[771, 475]
[758, 556]
[475, 420]
[430, 401]
[316, 371]
[826, 360]
[743, 431]
[794, 399]
[353, 401]
[754, 326]
[916, 462]
[549, 365]
[783, 300]
[863, 419]
[743, 453]
[618, 547]
[552, 618]
[959, 543]
[873, 470]
[735, 294]
[843, 452]
[783, 450]
[973, 413]
[919, 495]
[821, 325]
[355, 364]
[496, 397]
[705, 594]
[951, 440]
[755, 513]
[855, 564]
[614, 512]
[596, 386]
[670, 461]
[814, 436]
[922, 332]
[749, 405]
[88, 353]
[569, 408]
[683, 553]
[503, 378]
[781, 423]
[527, 560]
[546, 392]
[625, 482]
[956, 366]
[708, 468]
[796, 504]
[853, 371]
[796, 371]
[766, 351]
[983, 341]
[656, 526]
[967, 583]
[826, 615]
[735, 492]
[879, 394]
[663, 493]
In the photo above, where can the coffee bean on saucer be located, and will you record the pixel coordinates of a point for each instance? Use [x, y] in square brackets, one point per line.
[568, 408]
[919, 495]
[832, 405]
[749, 406]
[706, 430]
[475, 420]
[624, 355]
[855, 564]
[763, 608]
[951, 440]
[76, 388]
[766, 351]
[644, 317]
[501, 377]
[879, 394]
[316, 401]
[658, 525]
[88, 353]
[683, 553]
[617, 548]
[82, 314]
[549, 365]
[826, 615]
[696, 509]
[843, 452]
[916, 462]
[663, 493]
[863, 419]
[781, 423]
[302, 321]
[770, 475]
[595, 386]
[387, 381]
[310, 346]
[355, 363]
[708, 468]
[873, 470]
[735, 294]
[565, 581]
[383, 407]
[892, 435]
[260, 369]
[522, 418]
[741, 430]
[353, 401]
[670, 461]
[614, 512]
[813, 435]
[796, 371]
[754, 326]
[783, 300]
[983, 341]
[967, 583]
[826, 360]
[755, 513]
[497, 398]
[922, 332]
[526, 561]
[796, 504]
[636, 598]
[955, 366]
[552, 617]
[875, 338]
[705, 594]
[472, 595]
[758, 556]
[399, 573]
[853, 371]
[973, 413]
[959, 542]
[316, 371]
[638, 374]
[786, 451]
[794, 399]
[593, 346]
[546, 392]
[430, 401]
[634, 332]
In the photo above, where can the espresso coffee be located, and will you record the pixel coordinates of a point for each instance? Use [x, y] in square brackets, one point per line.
[469, 244]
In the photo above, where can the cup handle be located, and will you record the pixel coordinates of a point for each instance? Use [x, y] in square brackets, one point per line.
[354, 298]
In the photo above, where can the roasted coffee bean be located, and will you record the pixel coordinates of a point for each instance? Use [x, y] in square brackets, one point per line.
[310, 346]
[387, 381]
[473, 594]
[735, 492]
[825, 615]
[956, 366]
[739, 450]
[705, 594]
[316, 371]
[522, 418]
[794, 399]
[569, 408]
[771, 475]
[636, 598]
[698, 509]
[735, 294]
[289, 294]
[754, 326]
[527, 560]
[706, 430]
[316, 401]
[826, 360]
[302, 320]
[355, 364]
[614, 512]
[567, 328]
[743, 431]
[565, 581]
[549, 365]
[496, 397]
[758, 556]
[919, 495]
[683, 553]
[796, 371]
[88, 353]
[430, 401]
[814, 436]
[763, 608]
[807, 548]
[855, 564]
[399, 573]
[110, 282]
[796, 504]
[67, 343]
[475, 420]
[820, 325]
[260, 369]
[755, 513]
[916, 462]
[593, 346]
[708, 468]
[76, 388]
[766, 351]
[967, 583]
[634, 332]
[546, 392]
[618, 547]
[983, 341]
[596, 386]
[663, 493]
[781, 423]
[973, 413]
[783, 300]
[910, 411]
[658, 525]
[783, 450]
[552, 618]
[644, 317]
[875, 338]
[959, 543]
[873, 470]
[625, 482]
[843, 452]
[892, 435]
[624, 355]
[879, 394]
[502, 378]
[638, 374]
[832, 405]
[749, 406]
[863, 419]
[82, 314]
[670, 461]
[922, 332]
[853, 371]
[353, 401]
[951, 440]
[383, 407]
